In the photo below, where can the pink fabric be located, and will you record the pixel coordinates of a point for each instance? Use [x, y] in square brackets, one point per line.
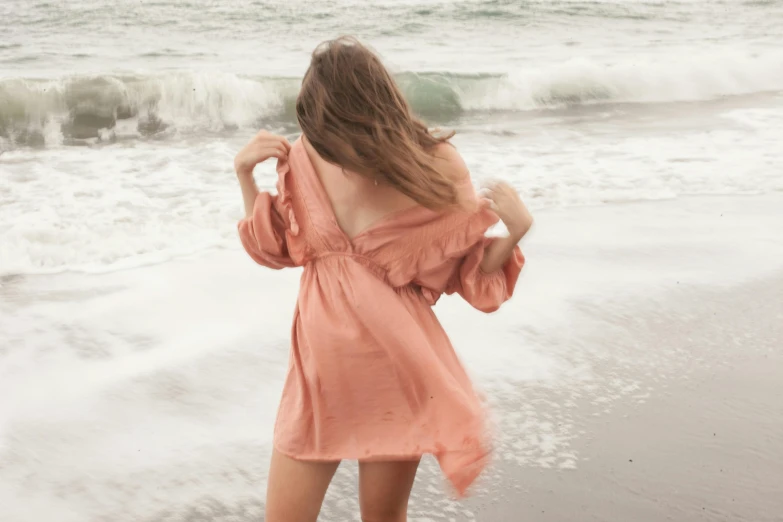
[372, 373]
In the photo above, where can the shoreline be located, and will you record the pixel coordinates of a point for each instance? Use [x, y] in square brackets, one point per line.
[165, 379]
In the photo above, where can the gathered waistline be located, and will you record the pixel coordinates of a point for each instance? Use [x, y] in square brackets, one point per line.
[363, 260]
[379, 272]
[335, 253]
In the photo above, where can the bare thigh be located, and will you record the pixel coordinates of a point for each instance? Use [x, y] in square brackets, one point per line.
[384, 489]
[296, 488]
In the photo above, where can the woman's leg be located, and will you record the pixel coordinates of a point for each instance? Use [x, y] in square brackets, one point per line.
[296, 488]
[384, 488]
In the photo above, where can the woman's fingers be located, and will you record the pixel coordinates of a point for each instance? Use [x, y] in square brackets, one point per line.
[490, 203]
[278, 152]
[496, 189]
[494, 194]
[277, 143]
[260, 148]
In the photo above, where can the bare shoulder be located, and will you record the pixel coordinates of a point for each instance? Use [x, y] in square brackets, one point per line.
[449, 161]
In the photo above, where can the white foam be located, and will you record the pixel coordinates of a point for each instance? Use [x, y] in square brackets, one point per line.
[214, 100]
[652, 78]
[97, 210]
[131, 204]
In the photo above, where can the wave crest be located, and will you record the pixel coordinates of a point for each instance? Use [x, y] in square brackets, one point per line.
[75, 109]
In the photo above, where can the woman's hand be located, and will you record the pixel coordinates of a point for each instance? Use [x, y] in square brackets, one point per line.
[507, 204]
[263, 146]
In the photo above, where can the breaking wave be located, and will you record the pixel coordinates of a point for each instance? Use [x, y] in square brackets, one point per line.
[76, 109]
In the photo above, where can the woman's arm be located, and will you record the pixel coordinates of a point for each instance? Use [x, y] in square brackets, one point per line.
[506, 203]
[249, 190]
[498, 252]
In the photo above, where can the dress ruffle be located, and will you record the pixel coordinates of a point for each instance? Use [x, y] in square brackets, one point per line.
[454, 238]
[285, 204]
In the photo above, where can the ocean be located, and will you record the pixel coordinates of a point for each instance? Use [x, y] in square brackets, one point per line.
[119, 120]
[140, 361]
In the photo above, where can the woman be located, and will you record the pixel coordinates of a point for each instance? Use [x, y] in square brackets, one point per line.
[383, 217]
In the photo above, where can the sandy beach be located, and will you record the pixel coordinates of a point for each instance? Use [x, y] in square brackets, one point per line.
[635, 376]
[705, 445]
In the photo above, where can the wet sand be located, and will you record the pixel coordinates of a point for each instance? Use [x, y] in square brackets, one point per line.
[707, 445]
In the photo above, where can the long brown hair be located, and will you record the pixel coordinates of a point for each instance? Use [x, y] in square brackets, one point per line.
[354, 115]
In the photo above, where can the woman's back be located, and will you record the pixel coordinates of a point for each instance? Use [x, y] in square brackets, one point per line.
[358, 202]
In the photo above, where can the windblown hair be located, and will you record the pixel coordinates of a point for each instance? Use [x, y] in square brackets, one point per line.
[354, 115]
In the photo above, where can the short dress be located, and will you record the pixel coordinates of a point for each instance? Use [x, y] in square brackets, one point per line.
[372, 373]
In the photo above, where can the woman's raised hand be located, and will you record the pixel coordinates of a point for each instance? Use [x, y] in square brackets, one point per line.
[263, 146]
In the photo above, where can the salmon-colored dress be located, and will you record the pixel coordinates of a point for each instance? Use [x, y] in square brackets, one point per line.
[372, 374]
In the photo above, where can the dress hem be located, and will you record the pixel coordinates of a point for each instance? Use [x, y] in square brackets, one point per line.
[460, 486]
